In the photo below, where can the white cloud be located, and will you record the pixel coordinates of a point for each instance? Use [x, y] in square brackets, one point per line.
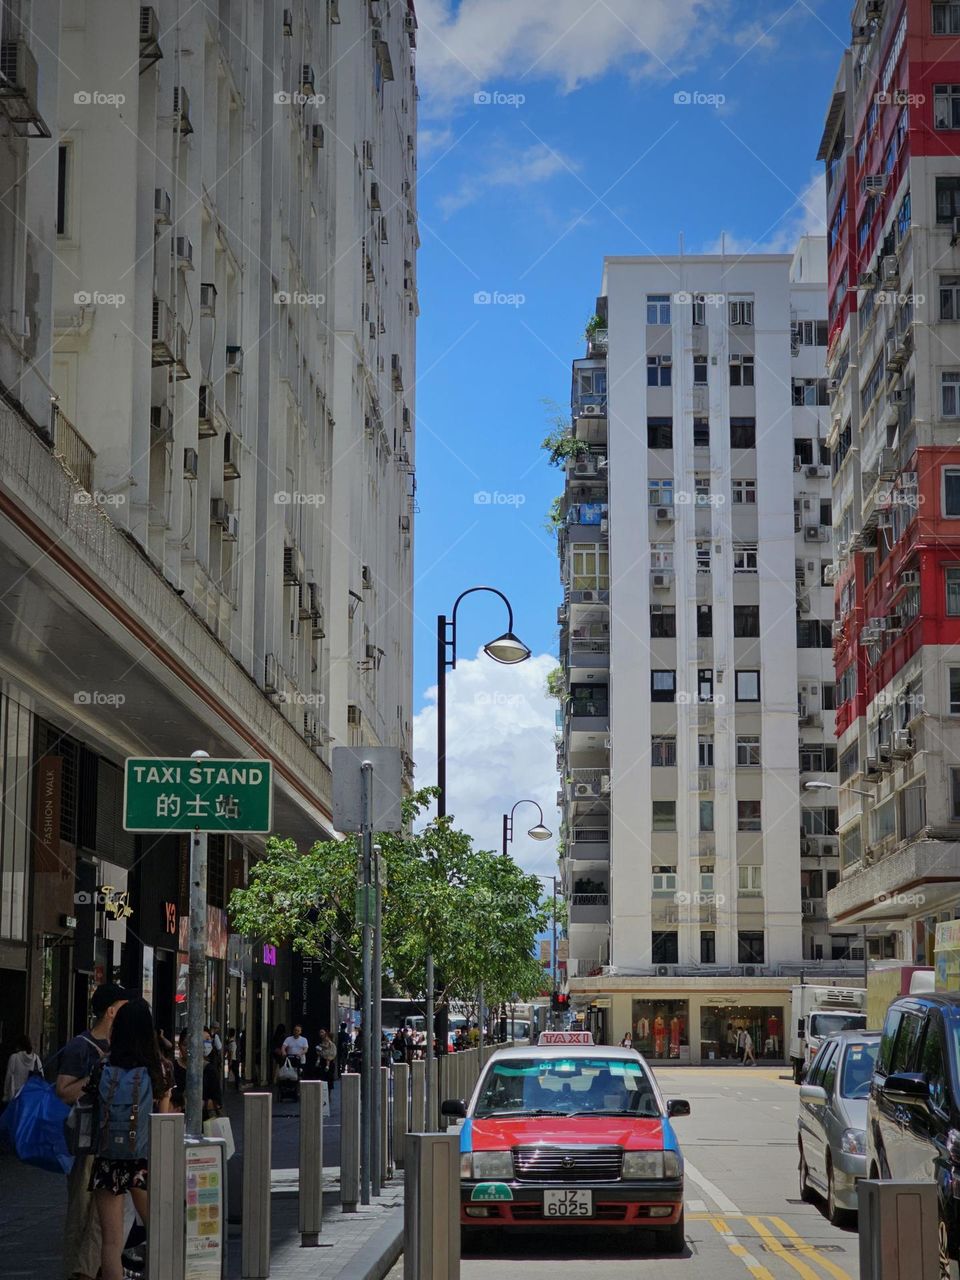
[499, 44]
[516, 170]
[805, 215]
[500, 727]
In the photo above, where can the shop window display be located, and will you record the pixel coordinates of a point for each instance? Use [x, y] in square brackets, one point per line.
[720, 1026]
[661, 1029]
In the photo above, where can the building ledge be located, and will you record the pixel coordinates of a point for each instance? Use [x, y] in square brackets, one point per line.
[909, 882]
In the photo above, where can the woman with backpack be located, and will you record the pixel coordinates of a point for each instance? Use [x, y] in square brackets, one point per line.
[130, 1083]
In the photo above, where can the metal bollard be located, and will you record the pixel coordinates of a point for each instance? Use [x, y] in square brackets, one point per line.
[311, 1161]
[401, 1111]
[349, 1142]
[418, 1108]
[167, 1197]
[436, 1123]
[255, 1232]
[384, 1124]
[431, 1207]
[898, 1227]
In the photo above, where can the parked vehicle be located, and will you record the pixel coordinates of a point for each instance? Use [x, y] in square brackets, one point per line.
[832, 1121]
[913, 1115]
[817, 1012]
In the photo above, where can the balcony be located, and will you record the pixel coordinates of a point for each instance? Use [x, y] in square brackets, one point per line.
[586, 467]
[589, 714]
[72, 450]
[917, 879]
[587, 785]
[598, 341]
[589, 651]
[589, 844]
[589, 908]
[587, 521]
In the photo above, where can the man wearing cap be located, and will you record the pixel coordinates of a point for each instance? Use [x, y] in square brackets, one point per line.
[75, 1061]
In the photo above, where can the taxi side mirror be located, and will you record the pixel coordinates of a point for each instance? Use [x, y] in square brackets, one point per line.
[678, 1107]
[454, 1107]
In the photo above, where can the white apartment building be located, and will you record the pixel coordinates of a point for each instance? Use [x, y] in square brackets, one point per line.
[207, 309]
[692, 568]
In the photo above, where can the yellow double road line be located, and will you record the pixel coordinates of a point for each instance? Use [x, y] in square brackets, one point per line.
[789, 1246]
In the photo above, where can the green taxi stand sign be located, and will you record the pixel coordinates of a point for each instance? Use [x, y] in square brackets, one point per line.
[197, 794]
[488, 1191]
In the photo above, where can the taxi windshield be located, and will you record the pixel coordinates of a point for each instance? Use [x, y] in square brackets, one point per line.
[566, 1087]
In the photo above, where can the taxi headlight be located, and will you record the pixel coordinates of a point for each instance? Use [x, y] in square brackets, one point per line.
[853, 1142]
[643, 1164]
[493, 1164]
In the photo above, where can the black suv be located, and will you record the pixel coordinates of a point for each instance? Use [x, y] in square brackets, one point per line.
[913, 1116]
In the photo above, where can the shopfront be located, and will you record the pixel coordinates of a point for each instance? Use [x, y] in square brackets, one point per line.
[722, 1020]
[660, 1029]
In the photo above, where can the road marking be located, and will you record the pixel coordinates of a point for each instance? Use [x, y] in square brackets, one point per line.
[722, 1201]
[776, 1248]
[808, 1251]
[755, 1267]
[697, 1206]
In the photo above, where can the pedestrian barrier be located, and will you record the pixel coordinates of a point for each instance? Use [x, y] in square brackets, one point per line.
[401, 1111]
[311, 1161]
[384, 1124]
[898, 1228]
[431, 1207]
[349, 1142]
[167, 1198]
[255, 1232]
[418, 1109]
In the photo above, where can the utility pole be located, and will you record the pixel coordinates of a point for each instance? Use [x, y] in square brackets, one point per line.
[366, 881]
[197, 979]
[376, 1030]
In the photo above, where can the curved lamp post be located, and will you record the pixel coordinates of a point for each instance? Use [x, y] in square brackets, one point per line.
[537, 832]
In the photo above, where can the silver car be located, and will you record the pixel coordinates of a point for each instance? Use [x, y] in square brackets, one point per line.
[833, 1120]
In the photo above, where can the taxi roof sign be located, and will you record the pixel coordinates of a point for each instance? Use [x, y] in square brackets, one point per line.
[565, 1037]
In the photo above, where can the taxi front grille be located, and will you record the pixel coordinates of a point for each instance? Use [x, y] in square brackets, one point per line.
[567, 1164]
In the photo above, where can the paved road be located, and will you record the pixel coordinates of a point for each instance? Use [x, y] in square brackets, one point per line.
[744, 1217]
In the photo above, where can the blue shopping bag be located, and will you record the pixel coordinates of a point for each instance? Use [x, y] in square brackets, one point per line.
[33, 1123]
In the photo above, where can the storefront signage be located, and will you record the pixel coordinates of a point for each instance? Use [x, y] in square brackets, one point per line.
[197, 795]
[46, 814]
[115, 902]
[170, 918]
[946, 956]
[269, 954]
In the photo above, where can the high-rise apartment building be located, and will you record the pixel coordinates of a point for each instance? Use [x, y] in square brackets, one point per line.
[890, 146]
[695, 627]
[207, 308]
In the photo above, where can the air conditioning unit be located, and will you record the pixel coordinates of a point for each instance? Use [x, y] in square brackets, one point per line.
[162, 206]
[181, 110]
[664, 513]
[205, 423]
[208, 299]
[908, 480]
[231, 456]
[219, 511]
[584, 789]
[815, 533]
[890, 269]
[894, 355]
[308, 80]
[591, 411]
[191, 462]
[836, 630]
[316, 137]
[871, 765]
[184, 251]
[843, 548]
[830, 574]
[666, 361]
[231, 530]
[374, 195]
[292, 566]
[749, 970]
[806, 907]
[818, 471]
[910, 578]
[161, 424]
[873, 182]
[870, 635]
[366, 577]
[235, 360]
[902, 744]
[661, 581]
[604, 783]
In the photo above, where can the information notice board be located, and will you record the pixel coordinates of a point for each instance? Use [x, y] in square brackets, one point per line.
[205, 1211]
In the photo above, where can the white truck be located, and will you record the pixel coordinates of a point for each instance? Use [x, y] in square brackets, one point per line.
[817, 1012]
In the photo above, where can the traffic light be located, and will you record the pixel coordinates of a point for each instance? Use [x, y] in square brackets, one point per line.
[559, 1002]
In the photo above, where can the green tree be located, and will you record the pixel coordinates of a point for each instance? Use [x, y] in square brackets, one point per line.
[476, 911]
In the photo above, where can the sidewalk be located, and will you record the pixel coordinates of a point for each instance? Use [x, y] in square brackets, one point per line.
[358, 1246]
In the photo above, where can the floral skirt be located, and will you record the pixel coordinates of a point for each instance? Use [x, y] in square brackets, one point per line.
[118, 1176]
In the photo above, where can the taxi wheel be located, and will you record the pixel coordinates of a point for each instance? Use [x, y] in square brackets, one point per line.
[674, 1238]
[806, 1191]
[949, 1267]
[836, 1216]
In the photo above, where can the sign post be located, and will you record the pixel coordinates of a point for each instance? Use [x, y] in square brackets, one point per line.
[197, 794]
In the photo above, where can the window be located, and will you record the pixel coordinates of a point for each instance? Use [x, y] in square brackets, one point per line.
[705, 685]
[946, 106]
[748, 751]
[704, 621]
[663, 622]
[699, 370]
[663, 686]
[905, 1044]
[705, 752]
[659, 371]
[932, 1064]
[748, 686]
[661, 555]
[955, 795]
[745, 557]
[951, 491]
[948, 199]
[658, 308]
[591, 567]
[830, 1073]
[952, 575]
[701, 433]
[818, 757]
[748, 815]
[744, 493]
[812, 333]
[954, 691]
[950, 393]
[660, 493]
[946, 18]
[743, 433]
[664, 948]
[659, 433]
[703, 557]
[749, 881]
[708, 947]
[741, 311]
[749, 948]
[663, 884]
[819, 822]
[813, 634]
[828, 697]
[706, 815]
[64, 158]
[663, 752]
[809, 391]
[950, 297]
[741, 371]
[664, 815]
[746, 620]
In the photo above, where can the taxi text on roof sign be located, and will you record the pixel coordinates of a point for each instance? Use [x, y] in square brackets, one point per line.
[565, 1037]
[190, 794]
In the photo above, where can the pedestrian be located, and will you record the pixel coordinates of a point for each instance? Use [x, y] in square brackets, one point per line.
[343, 1047]
[211, 1082]
[238, 1061]
[129, 1083]
[327, 1059]
[75, 1061]
[229, 1052]
[23, 1063]
[295, 1048]
[731, 1041]
[627, 1041]
[745, 1044]
[409, 1045]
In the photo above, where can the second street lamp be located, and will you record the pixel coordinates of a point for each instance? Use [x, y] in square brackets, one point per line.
[538, 832]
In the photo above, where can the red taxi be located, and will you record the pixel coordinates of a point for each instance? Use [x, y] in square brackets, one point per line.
[570, 1131]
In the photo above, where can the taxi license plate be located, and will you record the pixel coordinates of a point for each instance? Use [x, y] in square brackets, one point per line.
[567, 1204]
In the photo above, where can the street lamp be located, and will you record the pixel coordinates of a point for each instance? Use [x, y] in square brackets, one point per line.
[818, 785]
[508, 650]
[538, 832]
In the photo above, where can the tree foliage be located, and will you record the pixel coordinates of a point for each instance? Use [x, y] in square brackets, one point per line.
[475, 910]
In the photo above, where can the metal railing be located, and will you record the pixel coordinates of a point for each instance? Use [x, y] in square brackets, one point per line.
[579, 645]
[590, 900]
[591, 835]
[70, 448]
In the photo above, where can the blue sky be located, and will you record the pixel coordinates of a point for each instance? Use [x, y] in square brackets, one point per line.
[523, 199]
